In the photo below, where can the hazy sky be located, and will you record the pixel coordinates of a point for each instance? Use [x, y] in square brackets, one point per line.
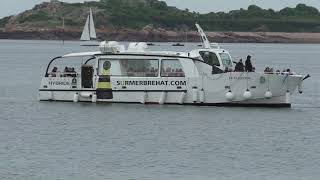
[10, 7]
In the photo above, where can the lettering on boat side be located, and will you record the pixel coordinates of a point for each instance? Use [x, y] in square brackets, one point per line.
[151, 83]
[59, 83]
[240, 78]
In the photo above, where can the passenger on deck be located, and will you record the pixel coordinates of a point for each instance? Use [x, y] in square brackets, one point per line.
[72, 72]
[180, 73]
[167, 71]
[268, 70]
[54, 72]
[66, 72]
[289, 71]
[239, 66]
[151, 72]
[249, 67]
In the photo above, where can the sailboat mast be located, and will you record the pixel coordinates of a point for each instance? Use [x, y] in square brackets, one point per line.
[63, 30]
[90, 23]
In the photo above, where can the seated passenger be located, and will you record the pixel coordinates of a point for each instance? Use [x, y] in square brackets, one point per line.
[167, 71]
[72, 72]
[66, 72]
[176, 73]
[239, 66]
[156, 72]
[289, 71]
[271, 70]
[268, 70]
[172, 73]
[150, 72]
[180, 73]
[54, 72]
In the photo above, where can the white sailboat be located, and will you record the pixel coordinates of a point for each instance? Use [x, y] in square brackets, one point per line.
[89, 35]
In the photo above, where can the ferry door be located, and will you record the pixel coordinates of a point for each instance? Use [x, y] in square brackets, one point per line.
[87, 76]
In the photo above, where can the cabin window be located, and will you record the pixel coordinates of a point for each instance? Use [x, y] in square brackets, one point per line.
[139, 67]
[171, 68]
[210, 58]
[226, 59]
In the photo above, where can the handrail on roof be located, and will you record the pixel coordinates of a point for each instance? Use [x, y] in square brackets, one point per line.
[60, 57]
[82, 54]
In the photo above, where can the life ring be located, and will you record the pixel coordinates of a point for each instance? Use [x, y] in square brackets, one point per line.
[74, 81]
[262, 80]
[106, 65]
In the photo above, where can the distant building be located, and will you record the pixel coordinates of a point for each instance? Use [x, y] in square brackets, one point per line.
[54, 1]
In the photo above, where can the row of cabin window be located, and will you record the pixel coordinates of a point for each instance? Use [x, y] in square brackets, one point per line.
[210, 58]
[150, 68]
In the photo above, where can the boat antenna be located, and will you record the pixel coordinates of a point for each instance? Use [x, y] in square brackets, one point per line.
[186, 39]
[204, 38]
[63, 30]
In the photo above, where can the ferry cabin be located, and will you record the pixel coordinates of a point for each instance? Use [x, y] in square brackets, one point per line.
[198, 77]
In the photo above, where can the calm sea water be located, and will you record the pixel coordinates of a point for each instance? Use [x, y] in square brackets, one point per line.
[44, 140]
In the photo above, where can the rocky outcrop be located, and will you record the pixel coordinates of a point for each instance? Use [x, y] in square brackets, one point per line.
[160, 35]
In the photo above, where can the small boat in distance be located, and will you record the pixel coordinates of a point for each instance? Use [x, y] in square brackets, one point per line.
[178, 44]
[151, 44]
[89, 35]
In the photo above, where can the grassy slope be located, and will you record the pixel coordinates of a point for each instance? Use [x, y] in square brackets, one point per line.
[136, 14]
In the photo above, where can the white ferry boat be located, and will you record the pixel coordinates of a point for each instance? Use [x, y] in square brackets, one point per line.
[116, 74]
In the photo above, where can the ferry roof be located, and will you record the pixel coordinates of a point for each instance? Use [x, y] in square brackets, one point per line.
[81, 54]
[212, 50]
[154, 53]
[93, 53]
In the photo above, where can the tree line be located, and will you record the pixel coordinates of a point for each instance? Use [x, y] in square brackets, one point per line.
[136, 14]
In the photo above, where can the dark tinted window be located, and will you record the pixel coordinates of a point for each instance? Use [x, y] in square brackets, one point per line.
[139, 68]
[210, 58]
[172, 68]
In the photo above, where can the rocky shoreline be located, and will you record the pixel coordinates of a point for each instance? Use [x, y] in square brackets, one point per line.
[164, 36]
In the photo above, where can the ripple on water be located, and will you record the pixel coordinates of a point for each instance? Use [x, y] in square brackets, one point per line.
[52, 140]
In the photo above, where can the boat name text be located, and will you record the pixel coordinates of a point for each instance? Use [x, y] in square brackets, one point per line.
[59, 83]
[151, 83]
[240, 78]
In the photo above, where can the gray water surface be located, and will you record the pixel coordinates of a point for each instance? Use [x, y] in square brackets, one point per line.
[52, 140]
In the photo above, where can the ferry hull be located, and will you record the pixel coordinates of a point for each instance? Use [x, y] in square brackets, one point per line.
[67, 96]
[204, 91]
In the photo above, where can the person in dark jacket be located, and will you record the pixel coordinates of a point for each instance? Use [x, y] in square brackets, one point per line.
[249, 67]
[54, 72]
[239, 66]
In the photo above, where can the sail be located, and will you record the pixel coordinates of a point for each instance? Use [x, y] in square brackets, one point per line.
[86, 33]
[92, 29]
